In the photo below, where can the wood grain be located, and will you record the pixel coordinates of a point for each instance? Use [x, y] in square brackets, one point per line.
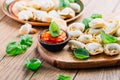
[1, 13]
[48, 72]
[105, 73]
[12, 68]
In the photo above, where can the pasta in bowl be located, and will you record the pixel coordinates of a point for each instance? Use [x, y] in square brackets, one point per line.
[37, 13]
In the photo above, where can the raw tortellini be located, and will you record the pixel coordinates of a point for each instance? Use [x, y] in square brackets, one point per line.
[112, 49]
[19, 6]
[77, 26]
[37, 7]
[92, 38]
[25, 15]
[67, 13]
[97, 23]
[75, 7]
[112, 27]
[26, 29]
[76, 44]
[75, 34]
[94, 48]
[85, 38]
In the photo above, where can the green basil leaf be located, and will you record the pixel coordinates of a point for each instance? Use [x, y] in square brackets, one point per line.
[26, 40]
[33, 64]
[24, 47]
[71, 1]
[54, 29]
[14, 48]
[96, 16]
[63, 77]
[64, 3]
[81, 53]
[86, 22]
[106, 38]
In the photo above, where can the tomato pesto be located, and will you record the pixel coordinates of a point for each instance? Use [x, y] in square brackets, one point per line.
[46, 37]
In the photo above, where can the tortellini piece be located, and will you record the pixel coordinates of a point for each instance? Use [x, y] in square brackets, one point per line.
[94, 48]
[47, 5]
[86, 38]
[98, 38]
[38, 15]
[75, 34]
[94, 31]
[97, 23]
[25, 29]
[76, 44]
[46, 18]
[67, 13]
[118, 32]
[19, 6]
[36, 4]
[57, 4]
[25, 15]
[75, 7]
[54, 14]
[76, 26]
[112, 49]
[111, 28]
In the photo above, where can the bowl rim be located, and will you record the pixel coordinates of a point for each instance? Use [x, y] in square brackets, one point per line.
[40, 40]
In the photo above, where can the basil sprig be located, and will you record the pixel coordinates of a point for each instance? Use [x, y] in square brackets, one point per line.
[96, 16]
[33, 64]
[63, 77]
[54, 29]
[64, 3]
[106, 38]
[16, 48]
[26, 40]
[71, 1]
[81, 53]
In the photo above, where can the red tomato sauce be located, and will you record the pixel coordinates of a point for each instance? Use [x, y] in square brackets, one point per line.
[46, 37]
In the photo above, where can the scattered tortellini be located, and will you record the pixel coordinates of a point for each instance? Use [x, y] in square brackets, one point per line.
[26, 29]
[100, 36]
[45, 11]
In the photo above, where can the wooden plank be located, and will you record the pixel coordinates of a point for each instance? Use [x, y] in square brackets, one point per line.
[15, 64]
[105, 7]
[99, 74]
[48, 72]
[8, 29]
[11, 66]
[1, 13]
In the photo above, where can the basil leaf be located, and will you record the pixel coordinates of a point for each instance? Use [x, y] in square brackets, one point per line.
[71, 1]
[26, 40]
[33, 64]
[54, 29]
[96, 16]
[86, 22]
[106, 38]
[64, 3]
[63, 77]
[14, 48]
[24, 47]
[81, 53]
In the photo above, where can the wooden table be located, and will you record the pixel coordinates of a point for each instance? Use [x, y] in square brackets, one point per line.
[12, 67]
